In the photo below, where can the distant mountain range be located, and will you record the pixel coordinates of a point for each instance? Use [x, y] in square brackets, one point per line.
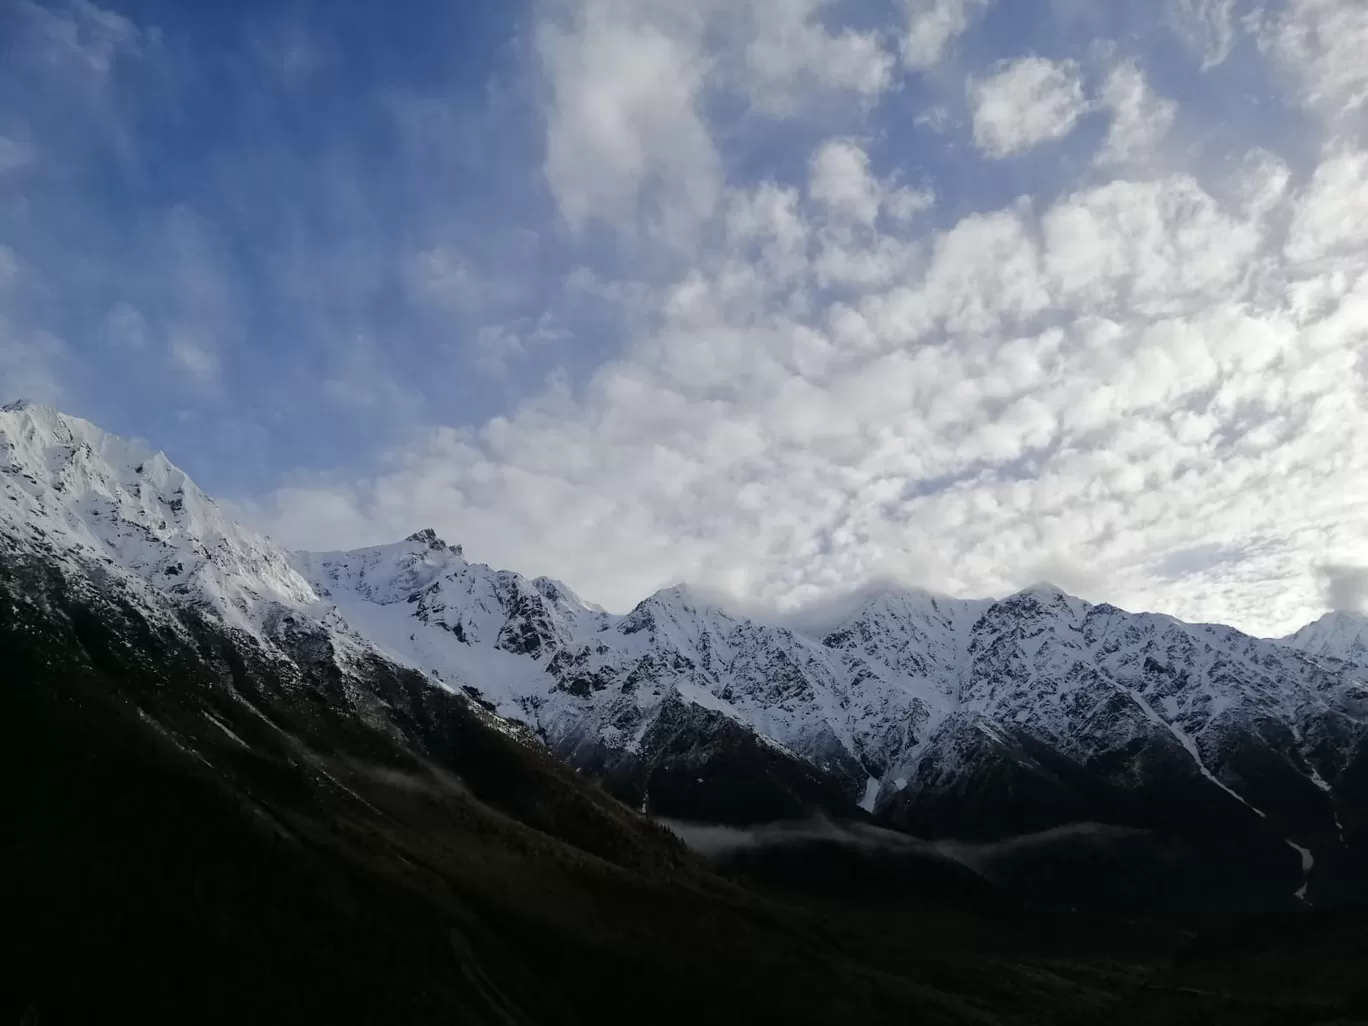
[943, 717]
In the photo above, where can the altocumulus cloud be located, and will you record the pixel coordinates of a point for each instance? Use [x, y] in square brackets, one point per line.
[940, 291]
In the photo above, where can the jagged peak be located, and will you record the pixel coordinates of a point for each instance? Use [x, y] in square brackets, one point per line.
[18, 406]
[558, 592]
[1046, 593]
[427, 536]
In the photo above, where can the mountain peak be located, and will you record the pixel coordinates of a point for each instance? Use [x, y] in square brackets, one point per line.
[18, 405]
[682, 594]
[1339, 634]
[1044, 588]
[427, 536]
[85, 494]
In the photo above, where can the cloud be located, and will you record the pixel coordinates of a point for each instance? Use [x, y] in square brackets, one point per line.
[1331, 215]
[936, 118]
[80, 33]
[1140, 120]
[728, 292]
[1026, 102]
[626, 83]
[1262, 183]
[932, 25]
[1206, 26]
[789, 50]
[1156, 248]
[1096, 386]
[629, 82]
[840, 180]
[1323, 42]
[1345, 587]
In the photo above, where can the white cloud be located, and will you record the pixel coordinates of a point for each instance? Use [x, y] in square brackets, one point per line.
[790, 49]
[1206, 26]
[1100, 385]
[1262, 183]
[1140, 120]
[1330, 221]
[937, 118]
[628, 139]
[764, 226]
[1323, 42]
[932, 25]
[1154, 248]
[905, 203]
[626, 83]
[1026, 102]
[839, 179]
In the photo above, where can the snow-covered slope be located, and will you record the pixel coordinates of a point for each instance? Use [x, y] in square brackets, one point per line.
[71, 490]
[911, 698]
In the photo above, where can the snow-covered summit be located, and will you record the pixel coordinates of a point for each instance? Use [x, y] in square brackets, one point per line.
[1341, 634]
[82, 494]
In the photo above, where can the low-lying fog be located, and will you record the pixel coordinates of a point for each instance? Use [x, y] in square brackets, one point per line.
[719, 842]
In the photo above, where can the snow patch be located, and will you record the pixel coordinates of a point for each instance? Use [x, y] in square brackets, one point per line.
[1307, 862]
[224, 727]
[871, 793]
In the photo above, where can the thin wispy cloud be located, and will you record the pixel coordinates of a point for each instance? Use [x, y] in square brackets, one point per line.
[778, 298]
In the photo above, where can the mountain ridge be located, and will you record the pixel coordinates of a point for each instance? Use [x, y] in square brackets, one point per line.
[927, 711]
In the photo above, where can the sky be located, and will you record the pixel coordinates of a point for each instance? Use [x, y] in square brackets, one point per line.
[781, 298]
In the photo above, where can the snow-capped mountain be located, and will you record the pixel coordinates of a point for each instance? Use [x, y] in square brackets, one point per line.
[872, 697]
[71, 490]
[1338, 635]
[942, 715]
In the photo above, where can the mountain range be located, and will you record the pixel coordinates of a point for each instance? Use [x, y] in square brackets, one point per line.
[974, 719]
[295, 756]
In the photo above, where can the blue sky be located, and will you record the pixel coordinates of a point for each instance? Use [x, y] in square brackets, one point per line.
[779, 297]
